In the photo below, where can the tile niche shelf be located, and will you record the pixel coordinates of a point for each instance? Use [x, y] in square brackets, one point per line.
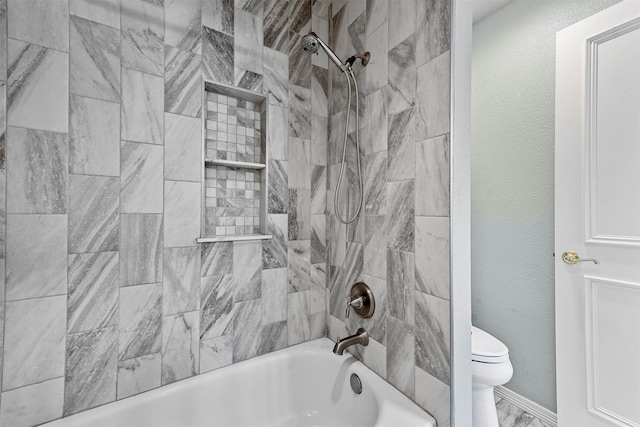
[234, 167]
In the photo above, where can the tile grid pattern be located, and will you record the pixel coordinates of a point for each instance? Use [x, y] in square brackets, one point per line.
[400, 244]
[107, 292]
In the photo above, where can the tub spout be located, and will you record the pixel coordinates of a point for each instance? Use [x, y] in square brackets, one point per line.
[360, 337]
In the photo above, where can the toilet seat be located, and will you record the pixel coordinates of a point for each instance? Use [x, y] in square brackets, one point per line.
[486, 348]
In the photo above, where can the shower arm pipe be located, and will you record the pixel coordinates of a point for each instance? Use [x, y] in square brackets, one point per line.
[349, 74]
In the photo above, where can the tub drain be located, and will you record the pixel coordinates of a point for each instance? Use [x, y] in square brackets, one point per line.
[356, 384]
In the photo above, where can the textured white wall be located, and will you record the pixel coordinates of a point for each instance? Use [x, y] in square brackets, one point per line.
[512, 173]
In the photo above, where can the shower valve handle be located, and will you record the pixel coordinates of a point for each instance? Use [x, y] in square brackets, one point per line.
[356, 303]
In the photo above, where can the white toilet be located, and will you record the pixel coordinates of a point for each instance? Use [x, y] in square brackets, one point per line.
[490, 367]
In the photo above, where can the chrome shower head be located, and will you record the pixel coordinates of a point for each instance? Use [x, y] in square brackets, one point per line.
[310, 43]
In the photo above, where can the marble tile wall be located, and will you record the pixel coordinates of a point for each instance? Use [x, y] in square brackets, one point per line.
[104, 292]
[400, 243]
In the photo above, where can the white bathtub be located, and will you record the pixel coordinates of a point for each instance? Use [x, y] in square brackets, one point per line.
[303, 385]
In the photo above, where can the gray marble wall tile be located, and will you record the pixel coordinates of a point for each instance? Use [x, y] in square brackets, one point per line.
[274, 337]
[433, 97]
[36, 74]
[318, 239]
[248, 41]
[401, 91]
[94, 279]
[401, 155]
[402, 18]
[432, 249]
[181, 213]
[401, 284]
[401, 222]
[216, 258]
[400, 356]
[91, 369]
[182, 82]
[433, 33]
[339, 99]
[181, 280]
[254, 7]
[138, 375]
[140, 321]
[140, 249]
[218, 15]
[375, 245]
[356, 39]
[277, 132]
[34, 341]
[248, 80]
[337, 122]
[94, 57]
[320, 26]
[142, 106]
[182, 148]
[318, 189]
[183, 24]
[274, 251]
[3, 40]
[274, 295]
[41, 22]
[299, 160]
[299, 112]
[375, 183]
[247, 270]
[278, 196]
[319, 138]
[94, 136]
[374, 134]
[299, 214]
[217, 56]
[94, 220]
[216, 306]
[337, 240]
[216, 353]
[2, 304]
[319, 276]
[3, 212]
[339, 30]
[299, 265]
[276, 24]
[376, 76]
[275, 66]
[433, 337]
[433, 396]
[377, 12]
[298, 317]
[36, 263]
[432, 176]
[300, 21]
[105, 12]
[319, 91]
[34, 404]
[299, 62]
[180, 347]
[247, 330]
[141, 178]
[143, 36]
[37, 182]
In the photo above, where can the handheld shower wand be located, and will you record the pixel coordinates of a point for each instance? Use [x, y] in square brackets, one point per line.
[310, 43]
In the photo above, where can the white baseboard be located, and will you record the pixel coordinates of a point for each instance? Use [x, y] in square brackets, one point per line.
[549, 417]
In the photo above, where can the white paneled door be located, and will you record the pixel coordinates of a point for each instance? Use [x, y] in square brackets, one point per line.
[598, 218]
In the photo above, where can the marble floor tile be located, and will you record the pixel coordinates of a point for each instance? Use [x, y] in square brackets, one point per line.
[276, 78]
[142, 107]
[94, 220]
[274, 251]
[433, 348]
[274, 295]
[94, 58]
[182, 82]
[401, 221]
[299, 152]
[141, 178]
[401, 140]
[510, 415]
[434, 34]
[141, 246]
[299, 214]
[91, 369]
[247, 270]
[433, 396]
[299, 265]
[278, 193]
[182, 148]
[34, 342]
[248, 41]
[182, 24]
[106, 12]
[180, 347]
[400, 281]
[247, 330]
[36, 249]
[143, 36]
[37, 74]
[217, 56]
[298, 317]
[94, 136]
[432, 255]
[275, 25]
[218, 15]
[34, 404]
[94, 280]
[138, 375]
[216, 353]
[181, 280]
[40, 22]
[181, 213]
[433, 97]
[400, 356]
[37, 182]
[375, 183]
[432, 176]
[216, 258]
[216, 306]
[140, 321]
